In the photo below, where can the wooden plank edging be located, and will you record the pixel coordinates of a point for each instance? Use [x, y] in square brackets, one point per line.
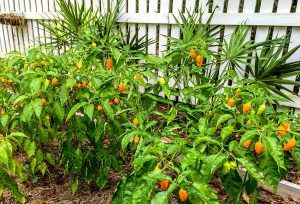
[285, 189]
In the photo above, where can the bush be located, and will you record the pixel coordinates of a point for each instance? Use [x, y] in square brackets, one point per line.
[102, 101]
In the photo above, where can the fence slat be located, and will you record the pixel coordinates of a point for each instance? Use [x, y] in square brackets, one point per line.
[163, 29]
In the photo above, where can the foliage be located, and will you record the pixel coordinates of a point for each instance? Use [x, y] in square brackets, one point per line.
[172, 120]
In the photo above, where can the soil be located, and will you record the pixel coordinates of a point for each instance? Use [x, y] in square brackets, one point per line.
[294, 174]
[58, 190]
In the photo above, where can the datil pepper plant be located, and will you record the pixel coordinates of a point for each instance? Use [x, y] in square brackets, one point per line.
[213, 130]
[173, 122]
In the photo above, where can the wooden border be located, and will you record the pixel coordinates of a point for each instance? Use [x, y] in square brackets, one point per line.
[285, 189]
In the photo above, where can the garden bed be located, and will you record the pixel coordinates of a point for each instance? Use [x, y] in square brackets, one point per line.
[56, 189]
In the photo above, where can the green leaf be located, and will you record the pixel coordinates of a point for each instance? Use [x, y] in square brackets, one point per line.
[172, 115]
[63, 94]
[37, 107]
[151, 124]
[35, 85]
[117, 54]
[161, 198]
[210, 165]
[226, 132]
[27, 112]
[59, 111]
[139, 161]
[275, 150]
[50, 159]
[252, 169]
[223, 118]
[141, 193]
[11, 185]
[167, 91]
[202, 125]
[29, 148]
[5, 152]
[17, 134]
[33, 165]
[20, 99]
[42, 167]
[124, 191]
[296, 155]
[108, 110]
[201, 139]
[70, 83]
[251, 185]
[270, 170]
[126, 139]
[89, 110]
[233, 184]
[75, 109]
[75, 185]
[204, 194]
[4, 120]
[102, 177]
[248, 135]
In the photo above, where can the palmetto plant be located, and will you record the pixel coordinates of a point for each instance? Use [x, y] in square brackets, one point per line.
[78, 24]
[72, 21]
[269, 69]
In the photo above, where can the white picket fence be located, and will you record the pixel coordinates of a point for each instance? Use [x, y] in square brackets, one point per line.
[155, 19]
